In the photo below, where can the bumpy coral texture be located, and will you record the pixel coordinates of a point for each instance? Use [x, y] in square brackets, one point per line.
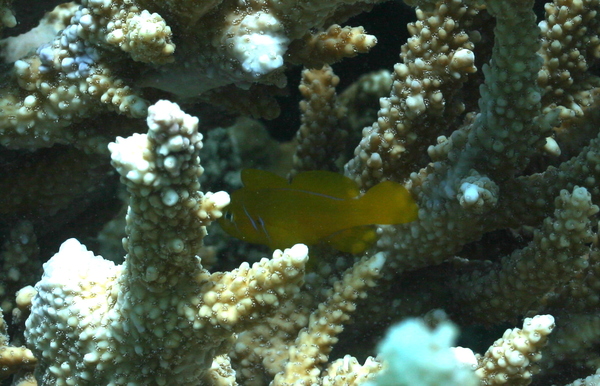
[489, 118]
[136, 322]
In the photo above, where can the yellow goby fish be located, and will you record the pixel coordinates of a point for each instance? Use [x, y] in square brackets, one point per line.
[317, 206]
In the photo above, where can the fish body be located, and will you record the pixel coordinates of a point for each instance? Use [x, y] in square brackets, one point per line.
[316, 206]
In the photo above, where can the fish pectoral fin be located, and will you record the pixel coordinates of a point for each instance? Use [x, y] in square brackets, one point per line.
[353, 240]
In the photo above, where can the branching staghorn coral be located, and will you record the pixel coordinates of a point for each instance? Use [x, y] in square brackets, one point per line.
[485, 141]
[13, 359]
[160, 314]
[78, 74]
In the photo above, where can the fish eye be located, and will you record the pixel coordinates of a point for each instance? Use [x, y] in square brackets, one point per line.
[228, 216]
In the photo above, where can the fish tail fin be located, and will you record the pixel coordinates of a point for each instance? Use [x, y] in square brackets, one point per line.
[389, 203]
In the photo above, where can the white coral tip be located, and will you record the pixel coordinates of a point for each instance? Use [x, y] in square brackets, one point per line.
[298, 252]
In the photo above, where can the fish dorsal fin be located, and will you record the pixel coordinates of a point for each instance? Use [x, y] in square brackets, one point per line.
[255, 179]
[324, 182]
